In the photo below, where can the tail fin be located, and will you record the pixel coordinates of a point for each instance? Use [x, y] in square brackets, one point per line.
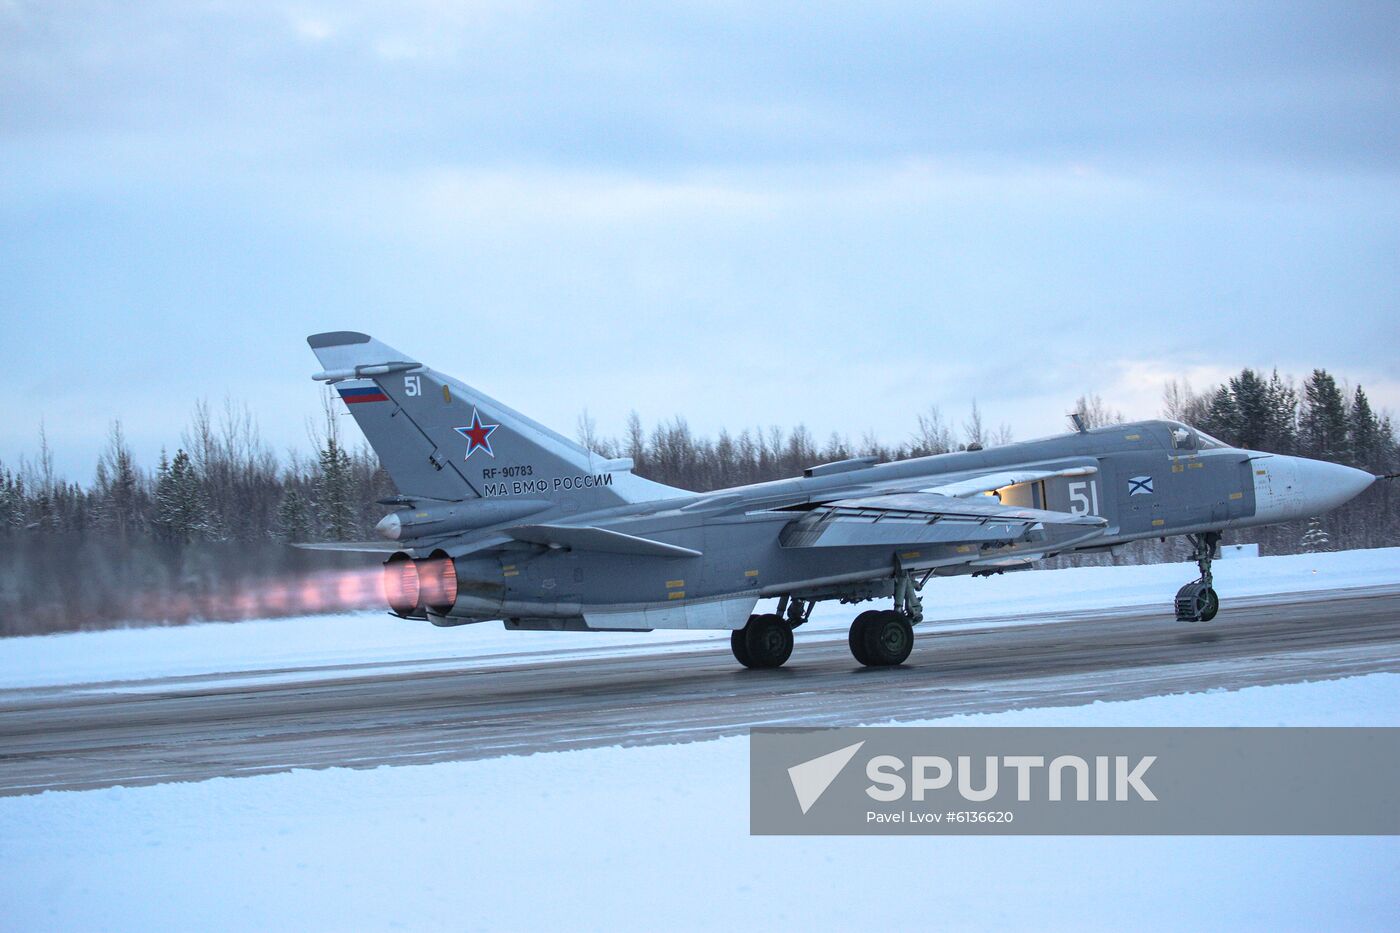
[441, 439]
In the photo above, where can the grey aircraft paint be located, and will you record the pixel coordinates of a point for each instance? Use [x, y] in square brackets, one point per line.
[498, 517]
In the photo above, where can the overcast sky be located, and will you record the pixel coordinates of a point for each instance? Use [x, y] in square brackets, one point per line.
[744, 214]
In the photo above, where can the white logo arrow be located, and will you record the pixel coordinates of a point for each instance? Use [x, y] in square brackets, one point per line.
[811, 778]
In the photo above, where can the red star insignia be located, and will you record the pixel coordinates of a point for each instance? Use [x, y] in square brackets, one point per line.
[478, 435]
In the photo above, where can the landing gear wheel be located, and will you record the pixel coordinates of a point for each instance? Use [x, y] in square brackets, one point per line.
[738, 643]
[859, 628]
[766, 641]
[881, 639]
[1196, 602]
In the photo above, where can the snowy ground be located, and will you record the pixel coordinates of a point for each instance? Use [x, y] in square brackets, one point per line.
[377, 638]
[653, 837]
[657, 838]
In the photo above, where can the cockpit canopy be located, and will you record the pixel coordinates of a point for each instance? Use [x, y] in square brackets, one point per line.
[1185, 437]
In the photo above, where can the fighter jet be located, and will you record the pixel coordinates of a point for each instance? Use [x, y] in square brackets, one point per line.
[500, 518]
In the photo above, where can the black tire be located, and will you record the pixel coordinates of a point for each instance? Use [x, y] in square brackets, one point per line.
[1210, 605]
[767, 642]
[1196, 602]
[740, 647]
[857, 637]
[888, 639]
[1186, 603]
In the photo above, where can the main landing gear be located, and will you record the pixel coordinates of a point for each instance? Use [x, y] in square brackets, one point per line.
[884, 637]
[1196, 601]
[766, 641]
[879, 637]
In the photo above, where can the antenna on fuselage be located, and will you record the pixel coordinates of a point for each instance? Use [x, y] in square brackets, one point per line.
[1079, 424]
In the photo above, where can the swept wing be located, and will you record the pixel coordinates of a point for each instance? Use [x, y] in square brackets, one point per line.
[923, 518]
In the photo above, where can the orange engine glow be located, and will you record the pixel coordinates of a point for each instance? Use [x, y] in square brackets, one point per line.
[439, 583]
[402, 586]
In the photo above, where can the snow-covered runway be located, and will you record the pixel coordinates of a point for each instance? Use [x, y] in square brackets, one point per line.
[203, 726]
[587, 834]
[657, 838]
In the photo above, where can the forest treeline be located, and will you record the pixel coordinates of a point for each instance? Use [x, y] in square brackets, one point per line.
[213, 521]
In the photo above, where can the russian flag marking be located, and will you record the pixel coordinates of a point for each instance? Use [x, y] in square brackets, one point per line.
[366, 394]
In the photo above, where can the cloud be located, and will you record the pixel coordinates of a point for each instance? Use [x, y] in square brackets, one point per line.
[733, 212]
[312, 28]
[446, 201]
[694, 84]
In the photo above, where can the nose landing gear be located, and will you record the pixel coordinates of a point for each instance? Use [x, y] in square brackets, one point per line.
[1197, 601]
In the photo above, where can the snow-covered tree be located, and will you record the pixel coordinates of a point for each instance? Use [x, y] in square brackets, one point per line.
[120, 491]
[1322, 426]
[1315, 539]
[334, 491]
[294, 517]
[181, 512]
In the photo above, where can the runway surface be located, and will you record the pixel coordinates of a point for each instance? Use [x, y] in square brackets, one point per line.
[192, 728]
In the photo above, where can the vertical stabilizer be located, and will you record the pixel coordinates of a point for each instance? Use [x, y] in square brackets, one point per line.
[440, 438]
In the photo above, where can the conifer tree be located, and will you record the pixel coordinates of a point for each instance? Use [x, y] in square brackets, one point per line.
[1222, 417]
[294, 517]
[1363, 432]
[1322, 426]
[181, 512]
[119, 488]
[333, 492]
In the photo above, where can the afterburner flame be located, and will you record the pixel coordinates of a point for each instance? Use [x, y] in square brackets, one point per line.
[407, 586]
[300, 594]
[402, 586]
[328, 591]
[439, 583]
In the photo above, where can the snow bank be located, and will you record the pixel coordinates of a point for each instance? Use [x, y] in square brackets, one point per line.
[371, 638]
[657, 838]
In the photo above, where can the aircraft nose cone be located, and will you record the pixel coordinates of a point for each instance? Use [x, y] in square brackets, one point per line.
[1327, 485]
[390, 526]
